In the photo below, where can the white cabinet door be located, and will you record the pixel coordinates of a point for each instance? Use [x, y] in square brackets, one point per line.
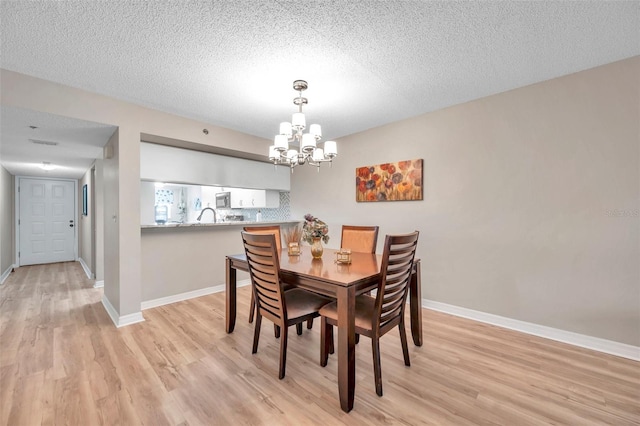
[258, 198]
[273, 199]
[248, 198]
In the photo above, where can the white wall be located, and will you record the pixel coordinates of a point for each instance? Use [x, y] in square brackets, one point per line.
[531, 201]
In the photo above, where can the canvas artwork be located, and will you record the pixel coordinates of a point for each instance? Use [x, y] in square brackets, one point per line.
[399, 181]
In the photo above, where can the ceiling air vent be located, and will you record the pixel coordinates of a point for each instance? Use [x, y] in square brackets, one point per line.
[39, 142]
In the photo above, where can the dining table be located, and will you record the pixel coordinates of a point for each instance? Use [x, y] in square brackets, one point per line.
[341, 281]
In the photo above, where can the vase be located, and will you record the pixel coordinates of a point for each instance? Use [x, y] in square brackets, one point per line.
[316, 248]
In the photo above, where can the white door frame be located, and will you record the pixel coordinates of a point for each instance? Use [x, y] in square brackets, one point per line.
[17, 212]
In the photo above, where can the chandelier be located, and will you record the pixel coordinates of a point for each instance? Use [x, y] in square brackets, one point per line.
[291, 132]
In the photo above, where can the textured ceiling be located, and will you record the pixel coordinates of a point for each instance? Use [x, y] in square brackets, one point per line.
[368, 63]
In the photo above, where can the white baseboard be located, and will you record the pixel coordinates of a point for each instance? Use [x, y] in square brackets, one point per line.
[87, 271]
[118, 320]
[6, 273]
[188, 295]
[98, 284]
[576, 339]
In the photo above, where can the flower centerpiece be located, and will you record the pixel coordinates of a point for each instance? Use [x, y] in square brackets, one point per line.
[313, 232]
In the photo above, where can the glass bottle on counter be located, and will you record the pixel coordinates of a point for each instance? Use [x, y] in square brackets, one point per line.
[161, 214]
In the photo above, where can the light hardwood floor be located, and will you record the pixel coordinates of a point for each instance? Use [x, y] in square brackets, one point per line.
[62, 361]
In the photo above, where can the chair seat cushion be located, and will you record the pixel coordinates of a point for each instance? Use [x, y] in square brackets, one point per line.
[365, 306]
[301, 302]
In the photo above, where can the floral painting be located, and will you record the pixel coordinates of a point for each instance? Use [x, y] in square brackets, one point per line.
[400, 181]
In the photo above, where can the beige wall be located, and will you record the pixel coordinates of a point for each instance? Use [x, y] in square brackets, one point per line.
[531, 201]
[121, 174]
[530, 195]
[7, 226]
[182, 260]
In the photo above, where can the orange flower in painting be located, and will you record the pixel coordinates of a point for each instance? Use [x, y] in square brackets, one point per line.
[377, 179]
[404, 165]
[384, 166]
[362, 186]
[364, 172]
[371, 196]
[404, 187]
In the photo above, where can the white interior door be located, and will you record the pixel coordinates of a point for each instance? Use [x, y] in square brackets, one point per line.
[46, 227]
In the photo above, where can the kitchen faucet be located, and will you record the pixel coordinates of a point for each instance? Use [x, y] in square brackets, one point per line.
[215, 218]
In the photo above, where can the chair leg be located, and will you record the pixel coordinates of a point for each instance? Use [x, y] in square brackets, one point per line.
[256, 333]
[276, 331]
[299, 328]
[283, 353]
[330, 334]
[252, 307]
[324, 343]
[309, 323]
[403, 341]
[375, 346]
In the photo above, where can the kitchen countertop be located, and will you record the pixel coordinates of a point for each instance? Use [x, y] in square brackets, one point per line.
[218, 224]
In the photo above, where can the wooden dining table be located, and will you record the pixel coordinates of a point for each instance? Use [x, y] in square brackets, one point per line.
[342, 282]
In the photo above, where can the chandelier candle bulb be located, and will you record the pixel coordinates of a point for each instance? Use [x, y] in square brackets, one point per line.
[316, 131]
[285, 129]
[308, 143]
[330, 149]
[318, 154]
[298, 121]
[281, 143]
[273, 153]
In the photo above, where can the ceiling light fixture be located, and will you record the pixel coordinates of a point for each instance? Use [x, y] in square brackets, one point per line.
[47, 166]
[291, 132]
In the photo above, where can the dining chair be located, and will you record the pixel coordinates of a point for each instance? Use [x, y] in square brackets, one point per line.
[283, 308]
[375, 316]
[359, 238]
[270, 229]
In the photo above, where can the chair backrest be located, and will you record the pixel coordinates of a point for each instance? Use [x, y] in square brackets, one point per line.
[359, 238]
[274, 229]
[397, 266]
[264, 267]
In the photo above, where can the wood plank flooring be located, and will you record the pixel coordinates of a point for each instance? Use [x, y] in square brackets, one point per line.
[62, 361]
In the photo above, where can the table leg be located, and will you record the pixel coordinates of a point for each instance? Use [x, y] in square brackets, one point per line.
[230, 320]
[346, 346]
[415, 305]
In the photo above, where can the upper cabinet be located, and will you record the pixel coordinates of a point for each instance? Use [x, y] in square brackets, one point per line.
[254, 198]
[170, 164]
[247, 198]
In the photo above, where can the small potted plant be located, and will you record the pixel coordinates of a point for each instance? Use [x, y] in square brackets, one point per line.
[314, 232]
